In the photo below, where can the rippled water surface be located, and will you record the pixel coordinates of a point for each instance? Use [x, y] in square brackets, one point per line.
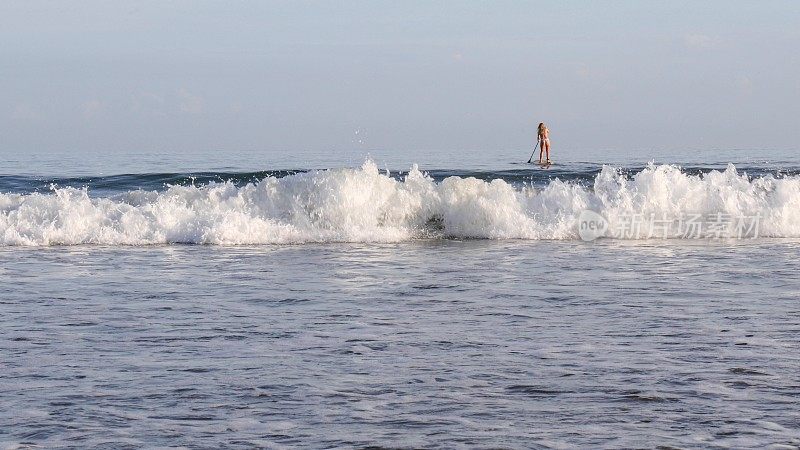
[444, 343]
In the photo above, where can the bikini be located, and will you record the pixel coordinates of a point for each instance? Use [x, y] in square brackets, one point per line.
[544, 139]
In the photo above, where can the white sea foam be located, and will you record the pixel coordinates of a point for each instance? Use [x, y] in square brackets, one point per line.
[365, 205]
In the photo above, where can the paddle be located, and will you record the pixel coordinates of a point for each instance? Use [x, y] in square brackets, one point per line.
[534, 152]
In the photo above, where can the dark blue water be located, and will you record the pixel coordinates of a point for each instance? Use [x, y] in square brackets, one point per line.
[525, 174]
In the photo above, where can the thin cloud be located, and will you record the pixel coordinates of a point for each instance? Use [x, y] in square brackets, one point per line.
[190, 103]
[744, 84]
[25, 111]
[92, 108]
[588, 72]
[701, 41]
[236, 107]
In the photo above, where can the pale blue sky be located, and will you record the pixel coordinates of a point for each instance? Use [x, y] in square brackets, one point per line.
[185, 76]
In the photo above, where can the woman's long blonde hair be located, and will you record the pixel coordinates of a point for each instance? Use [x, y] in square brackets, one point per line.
[542, 127]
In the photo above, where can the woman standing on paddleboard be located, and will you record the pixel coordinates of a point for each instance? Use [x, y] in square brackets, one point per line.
[544, 142]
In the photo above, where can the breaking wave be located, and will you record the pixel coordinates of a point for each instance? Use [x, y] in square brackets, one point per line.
[367, 205]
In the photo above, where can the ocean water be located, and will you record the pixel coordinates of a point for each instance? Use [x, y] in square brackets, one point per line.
[354, 302]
